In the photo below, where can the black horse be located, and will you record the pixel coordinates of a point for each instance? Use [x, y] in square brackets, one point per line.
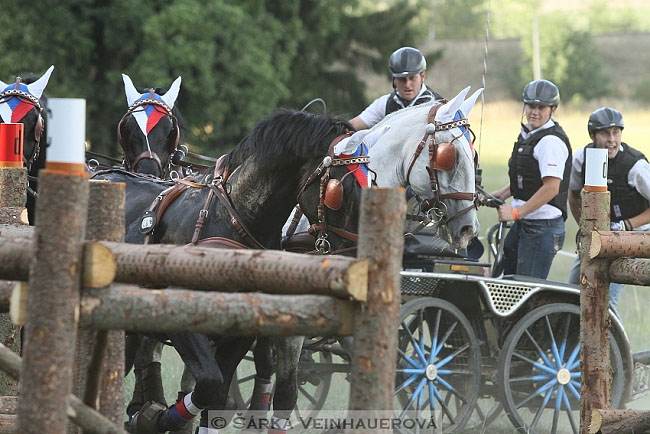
[150, 131]
[25, 102]
[268, 171]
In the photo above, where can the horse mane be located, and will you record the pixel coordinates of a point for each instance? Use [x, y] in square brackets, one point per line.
[289, 135]
[403, 112]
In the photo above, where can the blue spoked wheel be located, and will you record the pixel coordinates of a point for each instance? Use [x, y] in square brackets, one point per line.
[438, 366]
[539, 371]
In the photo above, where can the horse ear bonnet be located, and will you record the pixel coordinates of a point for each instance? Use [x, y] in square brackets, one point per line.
[333, 194]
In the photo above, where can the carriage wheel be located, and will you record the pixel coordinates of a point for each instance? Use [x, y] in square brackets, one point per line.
[539, 371]
[313, 385]
[438, 364]
[486, 411]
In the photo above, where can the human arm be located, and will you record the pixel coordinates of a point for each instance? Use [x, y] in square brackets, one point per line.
[358, 123]
[549, 189]
[639, 178]
[575, 204]
[502, 193]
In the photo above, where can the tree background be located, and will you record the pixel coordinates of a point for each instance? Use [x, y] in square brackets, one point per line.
[239, 59]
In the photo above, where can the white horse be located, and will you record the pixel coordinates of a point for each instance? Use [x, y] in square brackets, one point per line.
[392, 148]
[449, 186]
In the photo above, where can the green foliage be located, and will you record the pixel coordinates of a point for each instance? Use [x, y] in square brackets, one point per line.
[340, 42]
[642, 91]
[239, 59]
[570, 59]
[459, 19]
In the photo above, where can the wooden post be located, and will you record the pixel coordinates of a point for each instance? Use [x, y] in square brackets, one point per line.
[594, 310]
[381, 241]
[90, 420]
[53, 303]
[104, 382]
[12, 211]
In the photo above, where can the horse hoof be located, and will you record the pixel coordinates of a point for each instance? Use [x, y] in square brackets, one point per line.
[145, 420]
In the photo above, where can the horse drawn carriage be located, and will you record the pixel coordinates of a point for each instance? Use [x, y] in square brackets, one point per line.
[473, 349]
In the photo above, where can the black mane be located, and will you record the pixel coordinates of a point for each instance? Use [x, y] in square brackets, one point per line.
[291, 133]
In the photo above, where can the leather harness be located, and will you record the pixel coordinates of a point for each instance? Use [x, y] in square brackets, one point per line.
[436, 209]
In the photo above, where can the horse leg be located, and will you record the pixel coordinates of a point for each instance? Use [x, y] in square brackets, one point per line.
[196, 352]
[148, 379]
[263, 358]
[287, 350]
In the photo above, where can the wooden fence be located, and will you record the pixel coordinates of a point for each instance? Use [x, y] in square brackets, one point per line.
[81, 281]
[605, 257]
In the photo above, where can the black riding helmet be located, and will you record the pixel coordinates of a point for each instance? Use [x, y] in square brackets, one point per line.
[406, 61]
[604, 117]
[541, 92]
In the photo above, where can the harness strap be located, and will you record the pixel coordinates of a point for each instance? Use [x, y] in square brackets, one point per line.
[221, 174]
[294, 222]
[338, 231]
[162, 202]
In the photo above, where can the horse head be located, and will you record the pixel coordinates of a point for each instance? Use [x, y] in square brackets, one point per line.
[332, 202]
[149, 132]
[23, 102]
[436, 158]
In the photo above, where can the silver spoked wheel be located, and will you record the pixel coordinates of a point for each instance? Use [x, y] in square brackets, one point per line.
[539, 371]
[438, 365]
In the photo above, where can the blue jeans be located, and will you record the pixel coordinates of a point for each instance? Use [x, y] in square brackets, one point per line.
[531, 245]
[615, 289]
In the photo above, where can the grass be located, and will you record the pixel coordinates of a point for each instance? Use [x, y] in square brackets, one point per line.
[499, 131]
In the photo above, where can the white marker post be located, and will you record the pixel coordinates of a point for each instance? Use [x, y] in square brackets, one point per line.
[596, 169]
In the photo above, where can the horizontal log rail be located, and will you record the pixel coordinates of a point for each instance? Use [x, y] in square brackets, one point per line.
[128, 307]
[91, 421]
[202, 268]
[16, 255]
[136, 309]
[606, 421]
[630, 271]
[606, 244]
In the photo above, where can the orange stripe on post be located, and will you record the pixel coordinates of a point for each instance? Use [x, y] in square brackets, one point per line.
[74, 169]
[595, 188]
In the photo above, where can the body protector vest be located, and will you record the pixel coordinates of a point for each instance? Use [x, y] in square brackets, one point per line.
[626, 201]
[523, 168]
[428, 95]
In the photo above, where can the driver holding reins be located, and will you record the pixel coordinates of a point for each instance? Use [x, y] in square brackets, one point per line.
[539, 170]
[408, 67]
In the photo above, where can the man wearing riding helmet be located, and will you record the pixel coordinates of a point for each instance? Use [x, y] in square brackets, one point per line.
[539, 169]
[628, 181]
[408, 67]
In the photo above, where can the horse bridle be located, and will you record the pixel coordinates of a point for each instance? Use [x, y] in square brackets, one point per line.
[330, 196]
[149, 154]
[442, 156]
[38, 128]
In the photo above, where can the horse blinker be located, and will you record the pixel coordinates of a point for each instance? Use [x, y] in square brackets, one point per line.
[333, 194]
[445, 157]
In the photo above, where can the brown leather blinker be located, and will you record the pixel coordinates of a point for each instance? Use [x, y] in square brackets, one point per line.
[333, 194]
[445, 158]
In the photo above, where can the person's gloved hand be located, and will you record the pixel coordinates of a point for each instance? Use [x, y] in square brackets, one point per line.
[617, 226]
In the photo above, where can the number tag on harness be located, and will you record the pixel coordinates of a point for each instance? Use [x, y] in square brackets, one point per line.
[148, 222]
